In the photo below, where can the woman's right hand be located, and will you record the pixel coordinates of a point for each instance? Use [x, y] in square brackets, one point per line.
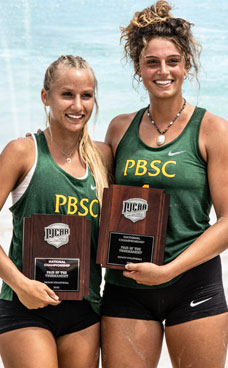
[35, 294]
[29, 134]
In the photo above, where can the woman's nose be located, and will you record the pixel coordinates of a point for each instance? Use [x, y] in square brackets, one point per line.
[163, 67]
[77, 103]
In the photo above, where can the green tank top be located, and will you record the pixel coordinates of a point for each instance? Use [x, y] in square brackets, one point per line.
[53, 191]
[180, 170]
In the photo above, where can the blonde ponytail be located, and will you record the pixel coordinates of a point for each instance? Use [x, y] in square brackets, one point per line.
[91, 156]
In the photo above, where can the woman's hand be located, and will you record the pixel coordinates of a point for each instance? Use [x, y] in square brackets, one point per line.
[34, 294]
[29, 134]
[147, 273]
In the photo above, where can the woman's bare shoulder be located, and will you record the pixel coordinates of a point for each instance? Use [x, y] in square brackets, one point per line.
[122, 121]
[19, 148]
[16, 160]
[117, 128]
[214, 124]
[213, 133]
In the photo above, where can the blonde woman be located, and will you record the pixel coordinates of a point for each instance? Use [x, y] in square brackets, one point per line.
[37, 329]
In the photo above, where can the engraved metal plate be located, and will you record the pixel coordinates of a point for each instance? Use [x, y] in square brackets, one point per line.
[60, 274]
[129, 248]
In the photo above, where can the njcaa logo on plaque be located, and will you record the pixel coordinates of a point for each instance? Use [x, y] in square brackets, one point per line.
[135, 209]
[57, 234]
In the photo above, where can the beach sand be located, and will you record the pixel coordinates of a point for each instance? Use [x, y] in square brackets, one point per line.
[5, 236]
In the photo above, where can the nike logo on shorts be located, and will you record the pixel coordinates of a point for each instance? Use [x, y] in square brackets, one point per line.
[194, 304]
[92, 187]
[175, 153]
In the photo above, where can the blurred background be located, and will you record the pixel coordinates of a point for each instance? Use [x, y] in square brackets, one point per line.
[33, 33]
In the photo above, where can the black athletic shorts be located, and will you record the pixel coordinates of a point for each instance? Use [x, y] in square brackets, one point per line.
[67, 317]
[198, 293]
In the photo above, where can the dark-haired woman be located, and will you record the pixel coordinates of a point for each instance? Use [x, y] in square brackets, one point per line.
[183, 149]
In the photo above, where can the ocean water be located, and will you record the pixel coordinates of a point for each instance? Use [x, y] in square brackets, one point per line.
[33, 33]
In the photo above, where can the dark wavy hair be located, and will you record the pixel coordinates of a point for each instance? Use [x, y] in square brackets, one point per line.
[157, 21]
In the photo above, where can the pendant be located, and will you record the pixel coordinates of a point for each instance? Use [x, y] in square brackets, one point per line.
[68, 160]
[160, 140]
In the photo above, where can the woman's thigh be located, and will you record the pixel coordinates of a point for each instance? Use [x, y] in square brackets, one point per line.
[199, 343]
[30, 347]
[128, 342]
[80, 349]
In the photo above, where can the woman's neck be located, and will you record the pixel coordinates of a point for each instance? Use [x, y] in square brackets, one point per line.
[164, 110]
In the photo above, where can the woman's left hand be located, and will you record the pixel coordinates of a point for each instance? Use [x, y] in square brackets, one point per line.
[147, 273]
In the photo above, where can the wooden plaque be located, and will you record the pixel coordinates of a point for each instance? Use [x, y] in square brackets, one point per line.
[133, 226]
[56, 251]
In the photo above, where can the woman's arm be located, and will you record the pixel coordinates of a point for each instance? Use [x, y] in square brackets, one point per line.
[214, 148]
[15, 161]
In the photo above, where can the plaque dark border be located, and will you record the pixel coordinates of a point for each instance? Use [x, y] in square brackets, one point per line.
[153, 224]
[78, 247]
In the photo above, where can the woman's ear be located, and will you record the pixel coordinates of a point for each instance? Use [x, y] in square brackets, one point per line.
[44, 97]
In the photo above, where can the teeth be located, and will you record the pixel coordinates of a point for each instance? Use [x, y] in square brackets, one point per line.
[74, 116]
[163, 81]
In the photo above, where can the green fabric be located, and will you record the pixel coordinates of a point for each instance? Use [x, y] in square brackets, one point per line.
[180, 170]
[49, 187]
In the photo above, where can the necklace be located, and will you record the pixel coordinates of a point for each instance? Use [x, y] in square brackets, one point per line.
[67, 156]
[161, 137]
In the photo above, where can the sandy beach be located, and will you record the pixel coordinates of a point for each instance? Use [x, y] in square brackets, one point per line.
[5, 236]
